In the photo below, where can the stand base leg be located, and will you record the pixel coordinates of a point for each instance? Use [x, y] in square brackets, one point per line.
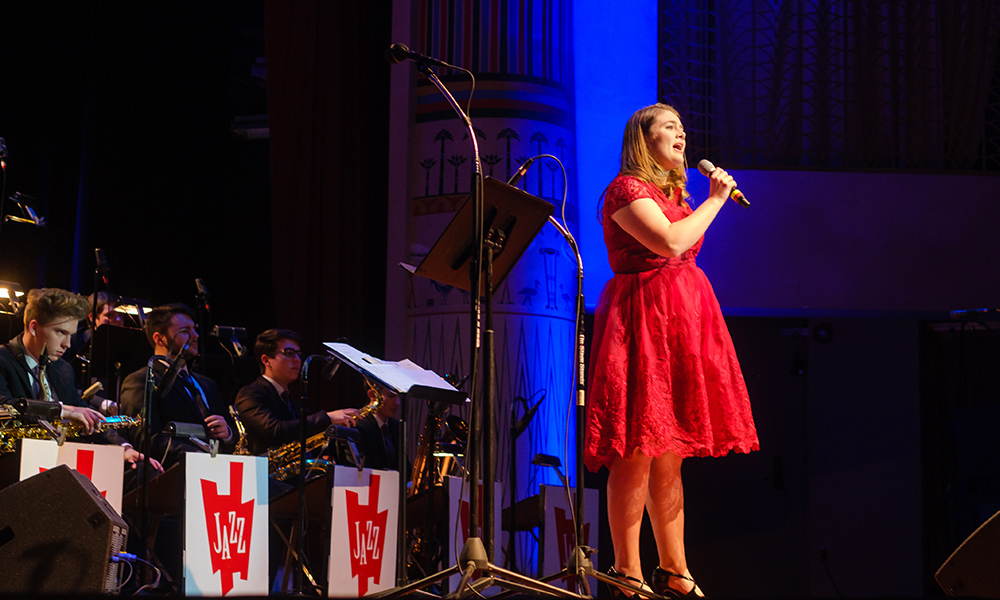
[473, 558]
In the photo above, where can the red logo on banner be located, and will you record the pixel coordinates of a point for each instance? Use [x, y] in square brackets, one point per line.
[366, 530]
[464, 513]
[230, 525]
[84, 465]
[566, 535]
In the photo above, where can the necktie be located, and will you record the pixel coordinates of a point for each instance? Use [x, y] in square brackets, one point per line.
[288, 402]
[46, 392]
[390, 448]
[40, 387]
[192, 391]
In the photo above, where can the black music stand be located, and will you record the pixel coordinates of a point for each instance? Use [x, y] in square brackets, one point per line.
[516, 214]
[511, 219]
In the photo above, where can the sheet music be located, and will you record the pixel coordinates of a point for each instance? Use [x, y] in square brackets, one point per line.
[400, 376]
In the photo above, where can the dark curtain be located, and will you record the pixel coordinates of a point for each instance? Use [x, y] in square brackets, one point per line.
[841, 84]
[328, 103]
[117, 117]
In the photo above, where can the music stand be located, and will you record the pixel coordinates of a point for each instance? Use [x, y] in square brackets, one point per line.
[516, 213]
[511, 220]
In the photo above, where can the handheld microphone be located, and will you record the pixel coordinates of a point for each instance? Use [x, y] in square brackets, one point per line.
[3, 154]
[397, 53]
[706, 167]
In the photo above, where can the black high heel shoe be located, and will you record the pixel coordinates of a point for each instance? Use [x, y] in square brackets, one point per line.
[661, 584]
[617, 593]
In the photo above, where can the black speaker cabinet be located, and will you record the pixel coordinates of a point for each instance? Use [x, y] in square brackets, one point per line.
[57, 534]
[973, 570]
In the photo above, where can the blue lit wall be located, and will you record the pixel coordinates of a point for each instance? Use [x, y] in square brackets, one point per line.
[614, 52]
[812, 240]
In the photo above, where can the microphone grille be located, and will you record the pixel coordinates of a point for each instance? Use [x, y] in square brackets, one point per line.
[397, 53]
[705, 166]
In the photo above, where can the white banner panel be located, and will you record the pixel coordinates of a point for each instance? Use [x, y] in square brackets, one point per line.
[559, 533]
[225, 525]
[363, 531]
[458, 506]
[103, 465]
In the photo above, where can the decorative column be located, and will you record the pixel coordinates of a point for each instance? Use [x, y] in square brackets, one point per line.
[522, 106]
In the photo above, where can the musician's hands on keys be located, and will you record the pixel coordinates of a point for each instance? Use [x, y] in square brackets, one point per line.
[348, 417]
[84, 416]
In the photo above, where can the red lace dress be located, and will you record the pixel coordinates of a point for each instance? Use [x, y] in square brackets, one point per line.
[663, 370]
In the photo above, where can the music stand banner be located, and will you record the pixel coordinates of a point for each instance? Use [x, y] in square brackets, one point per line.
[363, 531]
[225, 525]
[103, 465]
[458, 506]
[559, 533]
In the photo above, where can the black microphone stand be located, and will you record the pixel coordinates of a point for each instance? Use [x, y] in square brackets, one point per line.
[301, 539]
[102, 274]
[153, 391]
[476, 552]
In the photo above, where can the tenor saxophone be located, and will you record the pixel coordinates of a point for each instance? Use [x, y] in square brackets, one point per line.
[283, 462]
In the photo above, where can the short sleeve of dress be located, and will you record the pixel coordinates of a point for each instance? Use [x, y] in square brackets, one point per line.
[622, 191]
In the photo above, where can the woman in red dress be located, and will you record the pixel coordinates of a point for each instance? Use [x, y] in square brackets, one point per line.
[665, 383]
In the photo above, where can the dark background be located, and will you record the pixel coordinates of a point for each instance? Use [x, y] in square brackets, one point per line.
[118, 119]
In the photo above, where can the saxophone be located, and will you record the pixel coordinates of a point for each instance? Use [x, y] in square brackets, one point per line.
[424, 475]
[242, 446]
[13, 429]
[283, 462]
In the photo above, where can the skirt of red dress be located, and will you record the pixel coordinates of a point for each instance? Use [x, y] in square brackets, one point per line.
[664, 374]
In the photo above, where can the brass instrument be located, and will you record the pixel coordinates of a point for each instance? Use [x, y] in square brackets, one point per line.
[283, 462]
[424, 474]
[242, 446]
[13, 429]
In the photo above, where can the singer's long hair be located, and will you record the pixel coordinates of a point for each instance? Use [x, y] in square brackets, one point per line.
[637, 160]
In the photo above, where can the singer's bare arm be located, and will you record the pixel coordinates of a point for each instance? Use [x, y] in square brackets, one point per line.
[643, 219]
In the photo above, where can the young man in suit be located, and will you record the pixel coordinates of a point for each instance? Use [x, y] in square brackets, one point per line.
[269, 415]
[31, 364]
[191, 397]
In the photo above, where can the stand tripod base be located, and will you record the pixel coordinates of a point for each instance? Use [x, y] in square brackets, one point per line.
[581, 567]
[472, 559]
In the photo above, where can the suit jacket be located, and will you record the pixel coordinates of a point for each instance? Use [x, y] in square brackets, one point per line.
[267, 419]
[15, 383]
[373, 445]
[176, 405]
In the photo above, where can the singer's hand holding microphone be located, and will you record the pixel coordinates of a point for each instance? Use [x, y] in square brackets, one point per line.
[719, 177]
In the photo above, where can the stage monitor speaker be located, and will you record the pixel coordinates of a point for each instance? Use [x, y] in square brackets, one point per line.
[57, 536]
[972, 570]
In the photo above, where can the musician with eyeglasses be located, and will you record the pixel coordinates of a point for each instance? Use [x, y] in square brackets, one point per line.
[31, 364]
[192, 398]
[266, 408]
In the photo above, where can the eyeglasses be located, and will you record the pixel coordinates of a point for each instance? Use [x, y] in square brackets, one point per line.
[290, 353]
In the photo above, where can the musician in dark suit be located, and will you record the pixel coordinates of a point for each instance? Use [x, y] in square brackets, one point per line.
[31, 365]
[380, 431]
[191, 397]
[269, 415]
